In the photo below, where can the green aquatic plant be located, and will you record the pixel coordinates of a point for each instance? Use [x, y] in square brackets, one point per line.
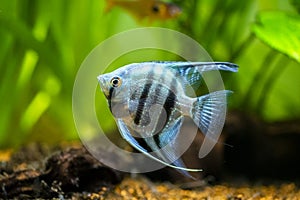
[41, 49]
[280, 31]
[44, 43]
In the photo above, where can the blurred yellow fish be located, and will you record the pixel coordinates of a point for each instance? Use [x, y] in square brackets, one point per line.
[152, 9]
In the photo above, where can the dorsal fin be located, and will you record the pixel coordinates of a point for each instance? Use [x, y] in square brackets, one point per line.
[192, 71]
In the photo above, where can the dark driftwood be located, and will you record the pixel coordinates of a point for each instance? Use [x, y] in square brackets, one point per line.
[69, 171]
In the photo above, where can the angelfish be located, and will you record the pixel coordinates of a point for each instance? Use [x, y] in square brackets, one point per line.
[149, 100]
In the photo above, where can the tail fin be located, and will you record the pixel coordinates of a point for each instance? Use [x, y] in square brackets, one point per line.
[209, 113]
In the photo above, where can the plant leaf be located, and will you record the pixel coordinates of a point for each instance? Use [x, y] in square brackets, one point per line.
[281, 31]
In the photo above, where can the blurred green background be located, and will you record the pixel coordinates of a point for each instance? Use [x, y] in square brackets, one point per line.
[43, 43]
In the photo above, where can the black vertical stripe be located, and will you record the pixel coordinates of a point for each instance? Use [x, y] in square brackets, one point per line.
[168, 106]
[143, 98]
[158, 87]
[171, 98]
[141, 104]
[156, 100]
[157, 140]
[111, 90]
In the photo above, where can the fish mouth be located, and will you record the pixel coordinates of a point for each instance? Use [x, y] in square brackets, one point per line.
[103, 85]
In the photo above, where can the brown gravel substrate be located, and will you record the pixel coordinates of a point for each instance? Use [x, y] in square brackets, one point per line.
[141, 188]
[71, 173]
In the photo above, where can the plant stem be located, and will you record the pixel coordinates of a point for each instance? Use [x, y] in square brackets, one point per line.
[270, 82]
[265, 65]
[240, 50]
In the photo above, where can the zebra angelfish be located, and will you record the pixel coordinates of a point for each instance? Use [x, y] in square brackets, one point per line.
[149, 101]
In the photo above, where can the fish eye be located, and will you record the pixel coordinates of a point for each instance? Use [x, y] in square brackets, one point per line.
[116, 81]
[155, 8]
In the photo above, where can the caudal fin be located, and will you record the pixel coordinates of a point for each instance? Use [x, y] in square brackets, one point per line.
[209, 113]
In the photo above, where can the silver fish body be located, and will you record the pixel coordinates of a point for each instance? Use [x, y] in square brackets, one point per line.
[149, 101]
